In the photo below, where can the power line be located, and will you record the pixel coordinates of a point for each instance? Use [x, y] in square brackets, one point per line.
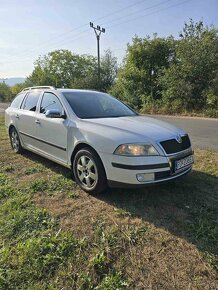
[27, 56]
[154, 12]
[107, 15]
[30, 51]
[84, 25]
[120, 10]
[130, 20]
[151, 13]
[79, 27]
[116, 19]
[43, 46]
[146, 8]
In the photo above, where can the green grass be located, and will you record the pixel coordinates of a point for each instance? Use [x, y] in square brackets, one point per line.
[34, 169]
[54, 236]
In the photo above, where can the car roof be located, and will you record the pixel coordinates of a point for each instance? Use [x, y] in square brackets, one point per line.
[78, 90]
[62, 90]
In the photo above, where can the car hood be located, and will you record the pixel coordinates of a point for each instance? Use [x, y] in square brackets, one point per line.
[139, 125]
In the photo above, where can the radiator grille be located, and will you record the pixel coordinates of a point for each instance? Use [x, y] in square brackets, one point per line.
[173, 146]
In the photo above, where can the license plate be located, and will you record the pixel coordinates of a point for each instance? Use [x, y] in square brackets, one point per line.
[180, 164]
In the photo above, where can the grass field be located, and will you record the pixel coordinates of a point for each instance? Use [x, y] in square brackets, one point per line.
[54, 236]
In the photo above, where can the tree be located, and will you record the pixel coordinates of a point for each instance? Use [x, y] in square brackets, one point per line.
[5, 93]
[109, 68]
[88, 77]
[58, 68]
[17, 88]
[145, 59]
[63, 68]
[186, 80]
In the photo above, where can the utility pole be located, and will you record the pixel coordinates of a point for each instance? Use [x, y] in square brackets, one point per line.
[98, 30]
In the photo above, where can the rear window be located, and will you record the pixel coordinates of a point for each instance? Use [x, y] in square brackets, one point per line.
[17, 100]
[31, 101]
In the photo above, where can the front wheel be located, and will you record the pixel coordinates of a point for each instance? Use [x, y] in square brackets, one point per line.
[89, 171]
[15, 141]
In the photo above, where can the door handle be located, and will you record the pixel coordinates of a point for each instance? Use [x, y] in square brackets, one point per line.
[37, 121]
[17, 116]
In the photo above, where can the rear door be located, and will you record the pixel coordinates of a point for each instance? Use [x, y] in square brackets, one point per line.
[52, 132]
[12, 114]
[25, 119]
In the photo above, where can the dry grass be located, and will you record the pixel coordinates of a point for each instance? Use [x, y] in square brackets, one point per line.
[162, 237]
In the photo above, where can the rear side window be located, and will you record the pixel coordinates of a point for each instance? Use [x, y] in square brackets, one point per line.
[17, 100]
[31, 101]
[50, 101]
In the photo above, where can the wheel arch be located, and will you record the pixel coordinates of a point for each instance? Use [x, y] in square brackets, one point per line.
[11, 126]
[80, 146]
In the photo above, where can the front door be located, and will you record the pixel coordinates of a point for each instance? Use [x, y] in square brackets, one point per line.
[52, 132]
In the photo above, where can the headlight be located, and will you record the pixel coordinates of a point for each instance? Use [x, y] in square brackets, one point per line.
[136, 150]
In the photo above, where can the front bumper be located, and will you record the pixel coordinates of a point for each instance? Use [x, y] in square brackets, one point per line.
[169, 178]
[122, 170]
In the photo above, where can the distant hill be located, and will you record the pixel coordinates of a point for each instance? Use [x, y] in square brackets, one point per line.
[13, 81]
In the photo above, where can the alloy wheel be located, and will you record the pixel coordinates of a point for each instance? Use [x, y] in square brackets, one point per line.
[15, 143]
[87, 172]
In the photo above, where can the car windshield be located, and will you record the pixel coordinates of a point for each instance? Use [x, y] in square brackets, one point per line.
[87, 105]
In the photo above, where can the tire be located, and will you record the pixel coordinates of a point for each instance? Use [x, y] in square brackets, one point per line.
[89, 171]
[15, 141]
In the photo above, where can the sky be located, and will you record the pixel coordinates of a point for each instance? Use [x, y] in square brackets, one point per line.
[30, 28]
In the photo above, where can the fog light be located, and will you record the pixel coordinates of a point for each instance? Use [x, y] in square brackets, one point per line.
[143, 177]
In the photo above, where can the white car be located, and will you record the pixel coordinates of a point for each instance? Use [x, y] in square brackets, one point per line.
[104, 141]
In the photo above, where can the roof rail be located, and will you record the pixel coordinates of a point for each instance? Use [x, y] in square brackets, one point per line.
[39, 88]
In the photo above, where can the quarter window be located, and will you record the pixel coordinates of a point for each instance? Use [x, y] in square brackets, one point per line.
[31, 101]
[17, 100]
[49, 102]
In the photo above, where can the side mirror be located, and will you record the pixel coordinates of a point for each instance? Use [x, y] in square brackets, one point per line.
[55, 113]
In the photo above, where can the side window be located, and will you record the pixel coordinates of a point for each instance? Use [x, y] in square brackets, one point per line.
[17, 100]
[31, 101]
[50, 101]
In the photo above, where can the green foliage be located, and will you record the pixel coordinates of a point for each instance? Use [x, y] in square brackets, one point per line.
[137, 79]
[31, 247]
[7, 168]
[109, 69]
[52, 185]
[17, 88]
[203, 228]
[37, 257]
[118, 241]
[39, 185]
[158, 75]
[5, 93]
[34, 169]
[5, 190]
[113, 281]
[3, 179]
[189, 78]
[8, 93]
[5, 186]
[20, 219]
[73, 194]
[172, 76]
[64, 68]
[99, 262]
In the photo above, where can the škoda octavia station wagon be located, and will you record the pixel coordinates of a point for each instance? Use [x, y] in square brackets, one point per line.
[104, 141]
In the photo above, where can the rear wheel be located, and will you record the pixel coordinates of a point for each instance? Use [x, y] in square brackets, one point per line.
[15, 141]
[89, 171]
